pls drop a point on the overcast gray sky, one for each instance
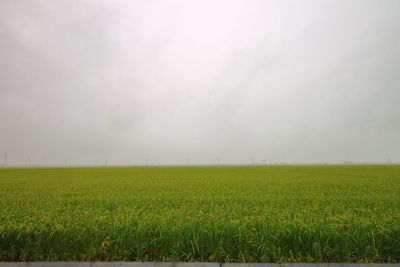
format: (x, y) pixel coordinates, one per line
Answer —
(293, 81)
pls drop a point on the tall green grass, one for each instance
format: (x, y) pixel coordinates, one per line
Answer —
(227, 214)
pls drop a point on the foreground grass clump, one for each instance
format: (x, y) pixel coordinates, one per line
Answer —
(230, 214)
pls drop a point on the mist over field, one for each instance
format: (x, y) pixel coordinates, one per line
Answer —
(82, 82)
(185, 102)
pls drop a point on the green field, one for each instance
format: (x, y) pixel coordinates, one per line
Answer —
(225, 214)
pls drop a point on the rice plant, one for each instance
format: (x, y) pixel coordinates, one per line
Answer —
(218, 214)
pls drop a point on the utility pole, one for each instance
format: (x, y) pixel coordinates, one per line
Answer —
(187, 161)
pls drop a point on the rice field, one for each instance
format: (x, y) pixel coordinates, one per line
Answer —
(217, 214)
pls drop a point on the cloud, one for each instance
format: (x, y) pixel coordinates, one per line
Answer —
(292, 81)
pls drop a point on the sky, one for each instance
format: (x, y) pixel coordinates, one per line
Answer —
(177, 82)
